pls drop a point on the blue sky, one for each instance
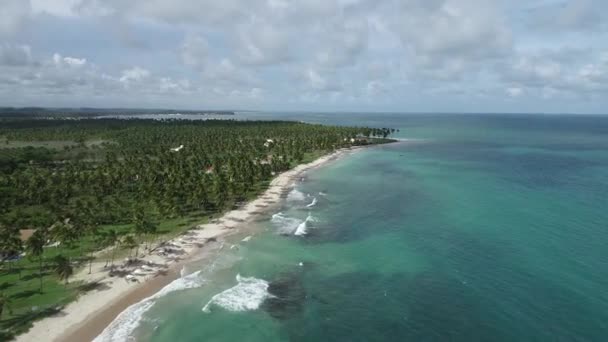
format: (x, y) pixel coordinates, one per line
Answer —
(366, 55)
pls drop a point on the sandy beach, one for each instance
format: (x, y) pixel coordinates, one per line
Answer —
(91, 313)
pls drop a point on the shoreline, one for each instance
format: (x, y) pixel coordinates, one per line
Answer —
(88, 316)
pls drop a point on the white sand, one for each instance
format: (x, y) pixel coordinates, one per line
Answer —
(115, 290)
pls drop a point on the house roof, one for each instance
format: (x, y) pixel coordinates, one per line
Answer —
(26, 234)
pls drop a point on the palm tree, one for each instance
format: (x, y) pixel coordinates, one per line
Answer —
(142, 225)
(5, 303)
(65, 233)
(35, 245)
(99, 243)
(110, 240)
(129, 243)
(63, 268)
(10, 244)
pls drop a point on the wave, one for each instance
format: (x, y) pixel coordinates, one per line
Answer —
(124, 324)
(303, 227)
(247, 295)
(285, 225)
(296, 195)
(291, 226)
(313, 203)
(322, 193)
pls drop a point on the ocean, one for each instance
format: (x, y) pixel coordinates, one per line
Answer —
(481, 228)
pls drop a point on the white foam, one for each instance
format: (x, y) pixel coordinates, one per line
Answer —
(303, 227)
(322, 193)
(285, 225)
(301, 230)
(313, 203)
(296, 195)
(247, 295)
(122, 327)
(291, 226)
(246, 239)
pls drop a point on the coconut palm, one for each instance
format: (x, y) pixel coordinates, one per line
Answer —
(5, 304)
(111, 239)
(128, 242)
(142, 225)
(63, 268)
(10, 244)
(65, 233)
(35, 246)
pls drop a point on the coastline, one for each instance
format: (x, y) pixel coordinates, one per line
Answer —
(85, 318)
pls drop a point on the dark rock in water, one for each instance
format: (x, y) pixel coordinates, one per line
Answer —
(288, 296)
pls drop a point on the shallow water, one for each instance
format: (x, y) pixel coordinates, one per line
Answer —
(493, 228)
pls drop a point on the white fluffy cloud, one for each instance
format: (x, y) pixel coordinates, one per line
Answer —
(319, 53)
(70, 62)
(135, 74)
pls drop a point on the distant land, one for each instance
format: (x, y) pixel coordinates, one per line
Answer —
(20, 112)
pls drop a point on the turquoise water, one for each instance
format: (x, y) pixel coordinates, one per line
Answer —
(491, 228)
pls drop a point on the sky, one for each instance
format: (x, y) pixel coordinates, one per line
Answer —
(532, 56)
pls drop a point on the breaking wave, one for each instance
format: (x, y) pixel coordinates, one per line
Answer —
(248, 294)
(302, 228)
(285, 225)
(313, 203)
(122, 327)
(296, 195)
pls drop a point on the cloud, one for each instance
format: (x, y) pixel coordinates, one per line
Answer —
(168, 85)
(258, 43)
(63, 8)
(15, 55)
(445, 39)
(194, 51)
(13, 16)
(568, 16)
(514, 91)
(343, 44)
(70, 62)
(135, 74)
(317, 53)
(552, 73)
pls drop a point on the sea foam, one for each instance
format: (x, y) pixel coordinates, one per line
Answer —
(285, 225)
(302, 228)
(313, 203)
(296, 195)
(247, 295)
(122, 327)
(291, 226)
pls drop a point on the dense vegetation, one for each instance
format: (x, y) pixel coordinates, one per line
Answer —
(92, 183)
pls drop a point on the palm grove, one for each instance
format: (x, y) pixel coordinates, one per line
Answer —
(94, 183)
